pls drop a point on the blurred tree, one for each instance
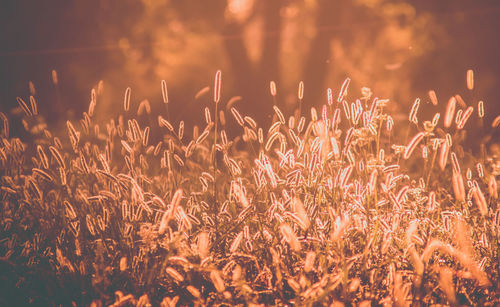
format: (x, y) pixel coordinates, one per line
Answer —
(318, 41)
(399, 48)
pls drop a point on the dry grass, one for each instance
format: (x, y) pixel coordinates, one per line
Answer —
(336, 209)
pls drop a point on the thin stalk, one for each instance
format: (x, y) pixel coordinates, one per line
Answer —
(430, 169)
(406, 139)
(217, 90)
(214, 164)
(379, 132)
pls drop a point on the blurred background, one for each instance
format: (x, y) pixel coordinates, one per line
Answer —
(400, 49)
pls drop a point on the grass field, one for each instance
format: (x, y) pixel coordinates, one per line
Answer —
(333, 205)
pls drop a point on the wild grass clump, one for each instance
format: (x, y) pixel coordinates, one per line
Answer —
(326, 207)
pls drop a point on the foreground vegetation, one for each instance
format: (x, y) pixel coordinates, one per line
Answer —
(330, 206)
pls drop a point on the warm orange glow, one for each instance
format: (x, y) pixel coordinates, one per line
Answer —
(148, 159)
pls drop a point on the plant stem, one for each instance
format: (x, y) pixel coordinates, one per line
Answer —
(216, 207)
(430, 169)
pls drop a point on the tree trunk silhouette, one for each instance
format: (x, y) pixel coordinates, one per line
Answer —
(316, 66)
(270, 59)
(252, 79)
(242, 68)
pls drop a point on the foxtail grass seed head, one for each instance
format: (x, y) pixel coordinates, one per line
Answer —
(301, 90)
(302, 123)
(174, 274)
(309, 261)
(123, 263)
(203, 244)
(217, 86)
(329, 96)
(222, 117)
(217, 281)
(236, 242)
(126, 99)
(413, 144)
(280, 115)
(480, 170)
(55, 79)
(433, 97)
(232, 101)
(181, 130)
(300, 211)
(162, 122)
(314, 114)
(237, 116)
(366, 93)
(467, 113)
(435, 119)
(449, 140)
(447, 285)
(443, 155)
(291, 123)
(202, 92)
(468, 174)
(425, 152)
(347, 110)
(431, 201)
(458, 186)
(455, 163)
(272, 88)
(144, 107)
(414, 110)
(32, 89)
(34, 107)
(343, 90)
(479, 199)
(480, 108)
(208, 117)
(100, 87)
(460, 101)
(58, 157)
(493, 187)
(24, 106)
(194, 292)
(290, 237)
(470, 79)
(450, 112)
(389, 124)
(164, 91)
(496, 122)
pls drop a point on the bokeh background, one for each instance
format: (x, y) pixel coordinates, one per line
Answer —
(400, 49)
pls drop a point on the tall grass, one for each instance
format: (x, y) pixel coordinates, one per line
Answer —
(334, 207)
